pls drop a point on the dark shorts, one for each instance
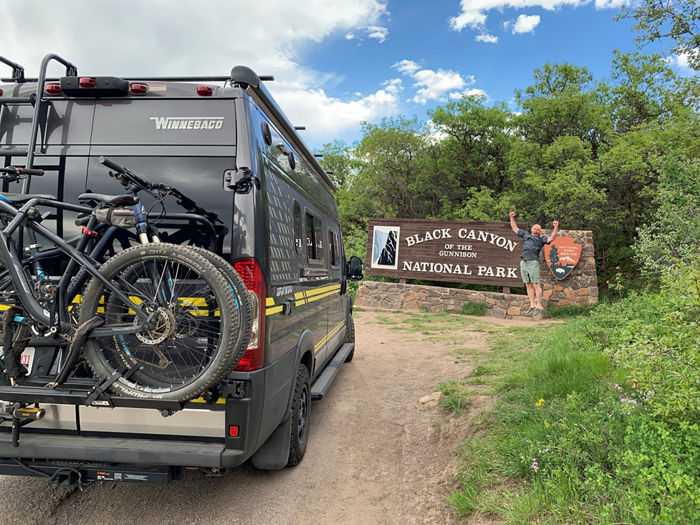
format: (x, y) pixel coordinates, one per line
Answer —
(530, 271)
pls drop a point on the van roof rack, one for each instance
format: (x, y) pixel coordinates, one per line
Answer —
(242, 76)
(252, 84)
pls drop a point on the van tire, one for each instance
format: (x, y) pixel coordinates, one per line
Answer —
(350, 336)
(300, 416)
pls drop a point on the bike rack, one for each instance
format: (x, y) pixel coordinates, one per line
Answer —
(74, 391)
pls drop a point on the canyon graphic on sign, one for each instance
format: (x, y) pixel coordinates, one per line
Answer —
(385, 247)
(562, 255)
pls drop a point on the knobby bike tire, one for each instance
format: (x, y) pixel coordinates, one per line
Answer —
(239, 289)
(196, 348)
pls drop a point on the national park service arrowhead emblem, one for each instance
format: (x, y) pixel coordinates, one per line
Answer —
(562, 255)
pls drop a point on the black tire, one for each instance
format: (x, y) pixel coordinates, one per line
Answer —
(350, 336)
(245, 312)
(301, 414)
(187, 350)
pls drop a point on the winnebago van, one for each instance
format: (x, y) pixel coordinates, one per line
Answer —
(240, 184)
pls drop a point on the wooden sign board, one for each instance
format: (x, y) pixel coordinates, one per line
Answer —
(462, 252)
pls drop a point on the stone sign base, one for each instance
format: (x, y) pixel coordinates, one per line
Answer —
(414, 297)
(578, 289)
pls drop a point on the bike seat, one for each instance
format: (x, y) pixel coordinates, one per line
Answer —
(19, 198)
(110, 200)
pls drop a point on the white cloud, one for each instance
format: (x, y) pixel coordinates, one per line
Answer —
(326, 117)
(474, 12)
(407, 67)
(489, 39)
(526, 23)
(681, 61)
(610, 4)
(378, 33)
(469, 92)
(192, 38)
(432, 85)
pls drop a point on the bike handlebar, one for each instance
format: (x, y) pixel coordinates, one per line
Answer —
(11, 170)
(127, 176)
(111, 164)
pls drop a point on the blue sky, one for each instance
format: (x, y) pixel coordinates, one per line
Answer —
(336, 63)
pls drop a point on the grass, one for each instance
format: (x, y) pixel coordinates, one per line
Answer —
(457, 397)
(567, 312)
(577, 434)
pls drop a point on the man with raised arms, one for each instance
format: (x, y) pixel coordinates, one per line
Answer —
(533, 243)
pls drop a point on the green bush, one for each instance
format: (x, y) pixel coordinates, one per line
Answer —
(600, 423)
(474, 308)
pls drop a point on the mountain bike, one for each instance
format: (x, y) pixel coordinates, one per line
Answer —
(157, 320)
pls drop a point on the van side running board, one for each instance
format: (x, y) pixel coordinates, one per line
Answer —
(323, 383)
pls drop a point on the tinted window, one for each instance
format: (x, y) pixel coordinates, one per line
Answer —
(297, 227)
(333, 247)
(314, 237)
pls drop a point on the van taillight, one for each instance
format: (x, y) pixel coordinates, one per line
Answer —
(53, 89)
(0, 92)
(254, 279)
(205, 91)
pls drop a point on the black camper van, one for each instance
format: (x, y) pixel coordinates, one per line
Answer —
(248, 190)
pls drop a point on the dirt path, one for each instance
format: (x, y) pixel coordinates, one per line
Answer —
(376, 455)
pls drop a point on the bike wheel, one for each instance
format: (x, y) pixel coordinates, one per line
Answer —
(238, 288)
(191, 342)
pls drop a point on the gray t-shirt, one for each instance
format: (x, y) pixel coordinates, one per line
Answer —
(532, 245)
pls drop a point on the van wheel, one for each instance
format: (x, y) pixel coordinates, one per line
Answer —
(301, 412)
(350, 336)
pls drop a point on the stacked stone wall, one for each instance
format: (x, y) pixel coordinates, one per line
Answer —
(580, 288)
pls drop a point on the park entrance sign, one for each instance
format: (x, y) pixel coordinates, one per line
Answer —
(463, 252)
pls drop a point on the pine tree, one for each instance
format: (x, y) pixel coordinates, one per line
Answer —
(553, 256)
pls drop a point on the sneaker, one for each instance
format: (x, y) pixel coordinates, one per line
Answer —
(536, 311)
(530, 310)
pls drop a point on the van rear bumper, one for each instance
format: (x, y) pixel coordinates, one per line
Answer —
(127, 450)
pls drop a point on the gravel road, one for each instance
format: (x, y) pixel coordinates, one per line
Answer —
(376, 455)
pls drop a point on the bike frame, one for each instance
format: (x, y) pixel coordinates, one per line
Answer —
(34, 309)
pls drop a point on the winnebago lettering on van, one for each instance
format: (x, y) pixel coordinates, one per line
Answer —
(188, 122)
(436, 251)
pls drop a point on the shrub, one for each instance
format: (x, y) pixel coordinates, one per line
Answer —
(474, 308)
(579, 437)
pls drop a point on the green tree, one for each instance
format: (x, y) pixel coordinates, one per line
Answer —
(676, 20)
(475, 149)
(390, 177)
(338, 162)
(563, 101)
(645, 90)
(672, 235)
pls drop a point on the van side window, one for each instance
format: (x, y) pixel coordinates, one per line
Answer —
(333, 247)
(314, 237)
(297, 227)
